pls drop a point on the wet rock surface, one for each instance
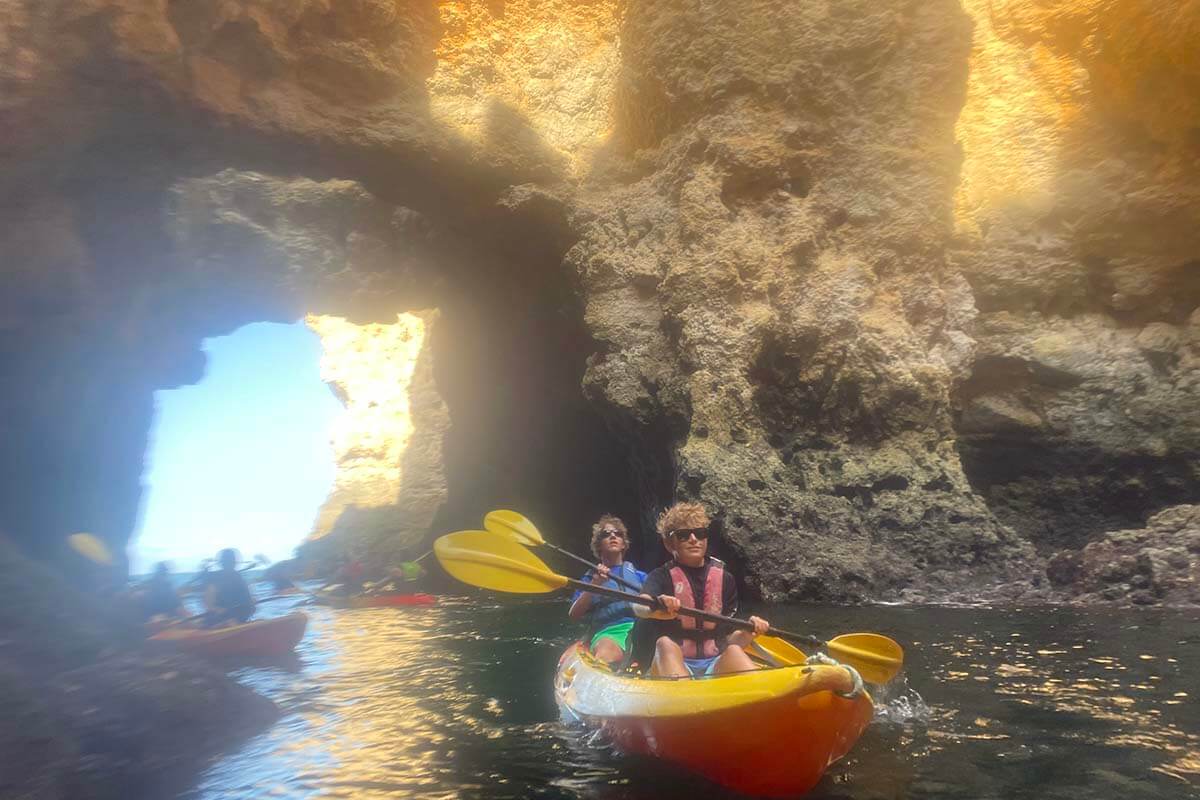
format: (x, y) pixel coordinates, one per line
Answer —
(1155, 565)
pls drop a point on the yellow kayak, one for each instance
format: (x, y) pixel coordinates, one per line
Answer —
(771, 732)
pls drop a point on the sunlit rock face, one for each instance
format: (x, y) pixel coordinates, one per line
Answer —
(390, 482)
(818, 258)
(530, 76)
(766, 274)
(1079, 217)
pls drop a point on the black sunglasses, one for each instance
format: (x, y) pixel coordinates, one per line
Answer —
(611, 532)
(682, 534)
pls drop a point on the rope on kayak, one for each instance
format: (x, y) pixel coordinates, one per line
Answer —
(855, 678)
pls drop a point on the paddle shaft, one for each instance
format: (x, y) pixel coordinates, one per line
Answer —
(582, 560)
(204, 575)
(733, 622)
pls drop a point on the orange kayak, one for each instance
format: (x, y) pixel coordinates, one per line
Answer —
(261, 637)
(769, 733)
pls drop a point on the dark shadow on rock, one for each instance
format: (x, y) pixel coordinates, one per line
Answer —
(88, 713)
(1080, 413)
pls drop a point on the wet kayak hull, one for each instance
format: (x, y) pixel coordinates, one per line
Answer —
(771, 733)
(265, 637)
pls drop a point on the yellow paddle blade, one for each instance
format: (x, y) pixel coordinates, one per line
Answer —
(781, 652)
(483, 559)
(877, 658)
(90, 547)
(515, 526)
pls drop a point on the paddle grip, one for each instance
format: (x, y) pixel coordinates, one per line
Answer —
(582, 560)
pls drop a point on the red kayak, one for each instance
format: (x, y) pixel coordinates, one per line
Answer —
(262, 637)
(377, 600)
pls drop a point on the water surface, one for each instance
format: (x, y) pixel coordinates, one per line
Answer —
(455, 701)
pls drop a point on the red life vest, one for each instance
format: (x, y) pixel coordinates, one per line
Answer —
(712, 602)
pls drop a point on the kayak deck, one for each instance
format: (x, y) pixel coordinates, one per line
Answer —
(263, 637)
(771, 732)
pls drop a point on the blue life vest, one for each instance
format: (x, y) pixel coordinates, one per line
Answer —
(607, 611)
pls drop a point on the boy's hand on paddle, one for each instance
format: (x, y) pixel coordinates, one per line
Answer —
(670, 605)
(664, 606)
(761, 626)
(600, 574)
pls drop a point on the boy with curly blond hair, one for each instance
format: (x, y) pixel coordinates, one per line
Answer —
(694, 579)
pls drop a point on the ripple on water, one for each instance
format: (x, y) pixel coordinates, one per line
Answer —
(455, 701)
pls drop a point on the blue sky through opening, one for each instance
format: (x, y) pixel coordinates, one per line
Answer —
(241, 459)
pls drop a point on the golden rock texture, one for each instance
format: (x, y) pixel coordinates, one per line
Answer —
(901, 290)
(539, 71)
(1079, 210)
(389, 483)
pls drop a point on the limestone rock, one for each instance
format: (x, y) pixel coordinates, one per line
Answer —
(1080, 237)
(789, 322)
(142, 719)
(330, 245)
(1155, 565)
(390, 481)
(802, 264)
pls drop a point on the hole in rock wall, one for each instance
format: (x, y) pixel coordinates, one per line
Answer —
(242, 458)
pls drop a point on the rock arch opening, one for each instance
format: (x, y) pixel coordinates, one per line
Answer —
(240, 458)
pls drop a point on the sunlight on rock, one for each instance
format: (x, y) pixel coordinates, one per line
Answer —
(1019, 101)
(371, 368)
(1052, 84)
(529, 77)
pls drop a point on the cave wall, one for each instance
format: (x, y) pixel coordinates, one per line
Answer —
(1078, 218)
(788, 315)
(784, 260)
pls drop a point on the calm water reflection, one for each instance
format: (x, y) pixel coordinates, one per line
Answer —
(455, 702)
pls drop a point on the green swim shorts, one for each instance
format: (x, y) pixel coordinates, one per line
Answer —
(619, 633)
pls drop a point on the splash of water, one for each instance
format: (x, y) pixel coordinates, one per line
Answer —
(897, 703)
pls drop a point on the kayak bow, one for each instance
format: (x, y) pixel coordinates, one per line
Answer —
(771, 732)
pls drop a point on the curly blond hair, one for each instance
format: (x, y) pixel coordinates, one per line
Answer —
(681, 516)
(598, 531)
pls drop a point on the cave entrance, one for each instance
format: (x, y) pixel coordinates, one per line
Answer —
(242, 458)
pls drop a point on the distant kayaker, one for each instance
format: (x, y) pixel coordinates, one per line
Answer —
(692, 578)
(351, 575)
(609, 620)
(402, 578)
(227, 597)
(160, 597)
